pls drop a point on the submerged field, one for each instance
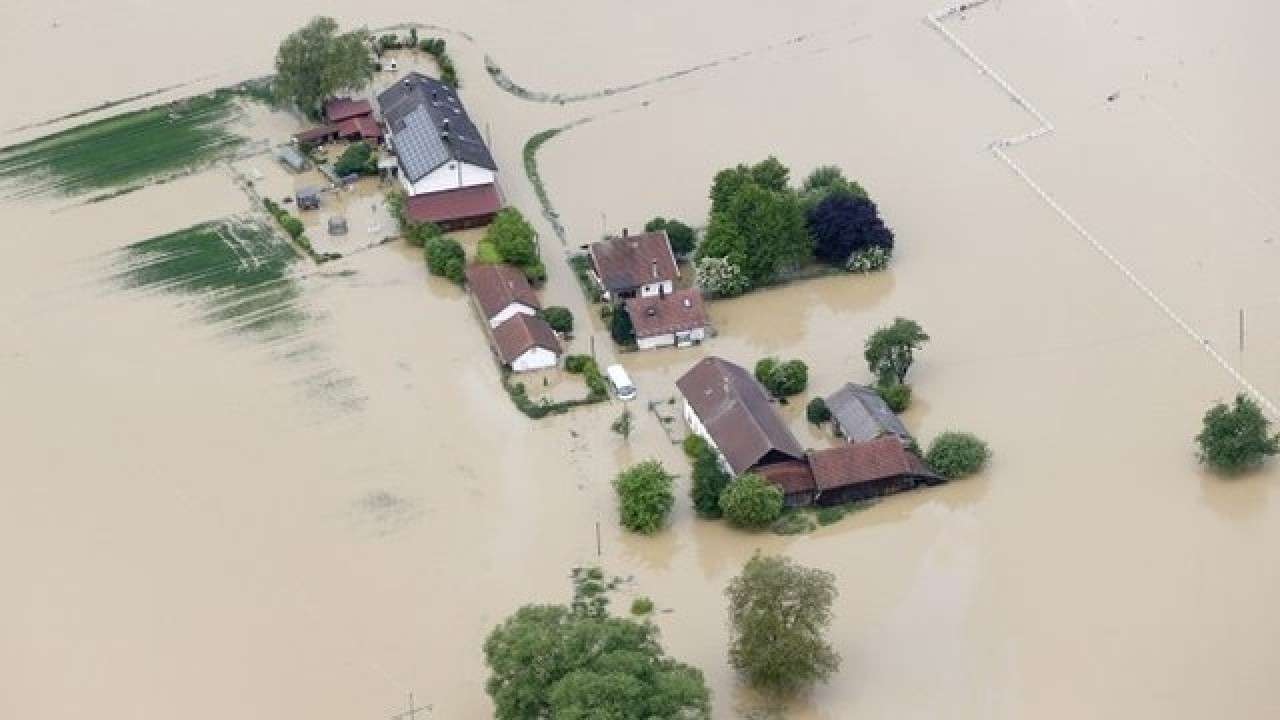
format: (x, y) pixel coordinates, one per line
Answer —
(118, 153)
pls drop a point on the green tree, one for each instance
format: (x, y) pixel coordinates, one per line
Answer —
(644, 496)
(358, 159)
(896, 395)
(708, 478)
(579, 662)
(761, 231)
(817, 412)
(445, 257)
(513, 237)
(621, 329)
(778, 612)
(891, 350)
(957, 454)
(782, 379)
(680, 235)
(317, 61)
(559, 318)
(824, 181)
(751, 502)
(1236, 438)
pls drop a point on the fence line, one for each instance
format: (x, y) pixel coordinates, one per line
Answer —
(1045, 127)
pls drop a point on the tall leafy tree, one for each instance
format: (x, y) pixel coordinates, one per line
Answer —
(513, 237)
(890, 351)
(316, 61)
(842, 224)
(708, 478)
(680, 235)
(1236, 438)
(768, 174)
(644, 496)
(778, 613)
(825, 181)
(761, 231)
(554, 661)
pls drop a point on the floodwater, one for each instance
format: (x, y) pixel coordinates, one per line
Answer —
(213, 521)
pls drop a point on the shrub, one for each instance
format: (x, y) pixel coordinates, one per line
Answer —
(694, 445)
(709, 479)
(792, 522)
(357, 158)
(641, 606)
(446, 258)
(957, 454)
(1236, 439)
(390, 41)
(644, 496)
(872, 259)
(751, 502)
(535, 272)
(721, 276)
(782, 379)
(620, 327)
(292, 225)
(680, 235)
(417, 234)
(576, 363)
(817, 411)
(831, 515)
(896, 395)
(596, 388)
(559, 318)
(513, 237)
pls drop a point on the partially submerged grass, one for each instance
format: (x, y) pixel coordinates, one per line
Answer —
(121, 151)
(239, 268)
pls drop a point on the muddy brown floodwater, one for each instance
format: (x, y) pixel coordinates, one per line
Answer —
(319, 511)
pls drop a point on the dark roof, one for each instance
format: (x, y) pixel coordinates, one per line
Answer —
(451, 205)
(497, 286)
(363, 126)
(520, 333)
(339, 109)
(625, 263)
(737, 413)
(861, 462)
(791, 477)
(323, 132)
(681, 310)
(418, 111)
(863, 415)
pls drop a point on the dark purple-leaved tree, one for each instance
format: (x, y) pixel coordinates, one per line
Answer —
(843, 224)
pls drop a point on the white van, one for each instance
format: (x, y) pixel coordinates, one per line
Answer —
(621, 382)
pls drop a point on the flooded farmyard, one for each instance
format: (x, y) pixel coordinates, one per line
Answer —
(304, 490)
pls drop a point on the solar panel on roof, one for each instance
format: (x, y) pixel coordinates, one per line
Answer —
(420, 147)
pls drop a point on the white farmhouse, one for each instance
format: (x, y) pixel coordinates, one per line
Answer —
(501, 292)
(634, 265)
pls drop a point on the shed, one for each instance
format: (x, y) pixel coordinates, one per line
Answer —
(863, 470)
(307, 198)
(862, 415)
(292, 159)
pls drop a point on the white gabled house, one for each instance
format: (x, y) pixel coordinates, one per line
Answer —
(501, 292)
(634, 265)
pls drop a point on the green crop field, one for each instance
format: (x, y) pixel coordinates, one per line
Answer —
(120, 152)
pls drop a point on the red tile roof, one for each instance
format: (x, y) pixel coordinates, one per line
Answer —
(339, 109)
(628, 262)
(453, 205)
(791, 477)
(737, 414)
(497, 286)
(316, 133)
(681, 310)
(362, 125)
(520, 333)
(861, 462)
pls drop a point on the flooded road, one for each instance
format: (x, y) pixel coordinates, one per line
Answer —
(208, 516)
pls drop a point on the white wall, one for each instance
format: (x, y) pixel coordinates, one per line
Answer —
(510, 311)
(535, 358)
(652, 289)
(657, 341)
(447, 177)
(697, 428)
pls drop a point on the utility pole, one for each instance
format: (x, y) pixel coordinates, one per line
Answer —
(412, 712)
(598, 553)
(1241, 330)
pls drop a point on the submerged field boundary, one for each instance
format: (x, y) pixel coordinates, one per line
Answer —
(1045, 127)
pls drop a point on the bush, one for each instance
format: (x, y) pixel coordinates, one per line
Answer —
(390, 41)
(417, 234)
(620, 327)
(446, 258)
(644, 497)
(956, 454)
(535, 272)
(782, 379)
(487, 253)
(709, 479)
(357, 158)
(641, 606)
(817, 411)
(576, 363)
(793, 522)
(721, 276)
(1236, 439)
(872, 259)
(596, 388)
(751, 502)
(559, 318)
(513, 237)
(896, 395)
(292, 225)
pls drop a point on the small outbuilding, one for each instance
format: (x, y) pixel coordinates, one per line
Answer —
(337, 225)
(861, 415)
(307, 198)
(526, 342)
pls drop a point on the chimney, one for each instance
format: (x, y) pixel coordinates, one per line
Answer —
(655, 268)
(688, 303)
(651, 311)
(624, 232)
